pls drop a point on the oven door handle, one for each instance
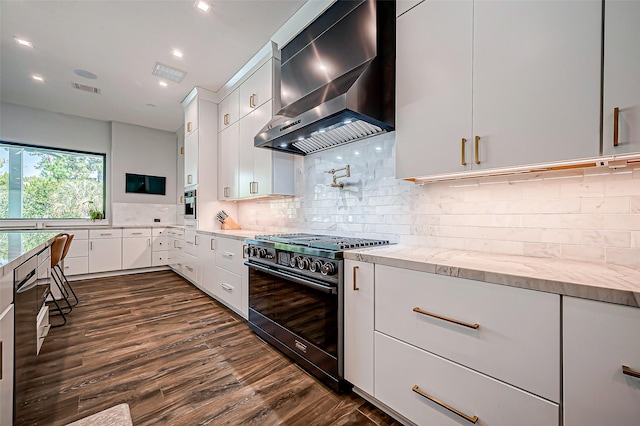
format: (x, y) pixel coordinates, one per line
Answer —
(319, 287)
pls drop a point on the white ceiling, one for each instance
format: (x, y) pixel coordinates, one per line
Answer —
(120, 41)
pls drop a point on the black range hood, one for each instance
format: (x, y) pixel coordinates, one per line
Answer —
(338, 80)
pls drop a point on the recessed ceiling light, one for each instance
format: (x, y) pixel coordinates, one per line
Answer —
(22, 42)
(85, 74)
(168, 72)
(163, 84)
(176, 53)
(37, 78)
(202, 5)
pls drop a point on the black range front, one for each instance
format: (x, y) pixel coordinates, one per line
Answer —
(295, 304)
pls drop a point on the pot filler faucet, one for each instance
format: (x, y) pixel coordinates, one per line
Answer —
(347, 173)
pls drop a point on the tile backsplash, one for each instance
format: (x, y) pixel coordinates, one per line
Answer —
(128, 214)
(590, 214)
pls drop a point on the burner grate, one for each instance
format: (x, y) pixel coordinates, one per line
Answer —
(326, 242)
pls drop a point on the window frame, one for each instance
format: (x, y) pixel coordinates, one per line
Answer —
(63, 150)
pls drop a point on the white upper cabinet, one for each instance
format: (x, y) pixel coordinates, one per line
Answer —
(257, 89)
(229, 110)
(525, 74)
(621, 77)
(228, 167)
(191, 118)
(403, 5)
(250, 155)
(191, 160)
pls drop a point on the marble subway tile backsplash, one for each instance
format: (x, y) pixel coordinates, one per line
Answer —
(591, 215)
(128, 214)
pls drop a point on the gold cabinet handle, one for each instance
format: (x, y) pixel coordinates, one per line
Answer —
(420, 392)
(451, 320)
(181, 199)
(355, 286)
(226, 119)
(252, 100)
(616, 117)
(630, 372)
(463, 161)
(476, 149)
(189, 127)
(182, 150)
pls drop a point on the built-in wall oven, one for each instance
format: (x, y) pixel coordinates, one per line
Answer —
(296, 298)
(190, 204)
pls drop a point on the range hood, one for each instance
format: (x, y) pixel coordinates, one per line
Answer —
(338, 80)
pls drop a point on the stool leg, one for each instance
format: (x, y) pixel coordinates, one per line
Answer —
(57, 309)
(68, 284)
(60, 285)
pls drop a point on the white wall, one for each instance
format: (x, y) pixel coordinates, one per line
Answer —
(591, 215)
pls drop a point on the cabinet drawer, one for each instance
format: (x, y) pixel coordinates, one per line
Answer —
(190, 242)
(159, 232)
(513, 324)
(105, 233)
(78, 234)
(401, 367)
(42, 326)
(176, 232)
(190, 267)
(228, 288)
(78, 248)
(160, 258)
(229, 255)
(137, 232)
(161, 243)
(76, 265)
(599, 338)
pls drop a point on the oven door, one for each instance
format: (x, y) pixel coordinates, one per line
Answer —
(299, 313)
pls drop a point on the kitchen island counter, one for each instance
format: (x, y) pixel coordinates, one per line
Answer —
(595, 281)
(18, 246)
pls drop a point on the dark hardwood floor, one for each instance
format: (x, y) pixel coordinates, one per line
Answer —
(177, 357)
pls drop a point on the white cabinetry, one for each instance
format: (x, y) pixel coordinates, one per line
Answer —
(206, 246)
(189, 256)
(244, 170)
(621, 76)
(231, 282)
(191, 160)
(136, 248)
(358, 324)
(599, 339)
(105, 250)
(6, 368)
(229, 110)
(160, 247)
(486, 85)
(176, 243)
(77, 260)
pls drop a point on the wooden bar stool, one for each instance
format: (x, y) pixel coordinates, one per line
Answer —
(63, 278)
(56, 254)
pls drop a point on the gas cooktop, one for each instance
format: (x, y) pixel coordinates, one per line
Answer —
(325, 242)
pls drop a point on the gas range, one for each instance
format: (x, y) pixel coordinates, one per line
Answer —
(311, 255)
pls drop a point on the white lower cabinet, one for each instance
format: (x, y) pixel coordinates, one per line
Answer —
(105, 250)
(176, 243)
(136, 248)
(430, 390)
(6, 368)
(491, 328)
(160, 246)
(190, 267)
(600, 340)
(42, 326)
(231, 276)
(228, 288)
(206, 246)
(358, 324)
(77, 260)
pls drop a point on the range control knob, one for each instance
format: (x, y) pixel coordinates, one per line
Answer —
(294, 261)
(328, 269)
(315, 266)
(304, 263)
(262, 253)
(253, 251)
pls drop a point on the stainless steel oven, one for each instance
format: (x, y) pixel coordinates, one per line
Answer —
(190, 204)
(296, 300)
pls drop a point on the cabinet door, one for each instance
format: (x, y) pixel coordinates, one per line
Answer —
(433, 88)
(105, 254)
(599, 338)
(191, 117)
(257, 89)
(358, 324)
(262, 158)
(6, 379)
(228, 163)
(180, 185)
(249, 126)
(229, 110)
(621, 75)
(205, 245)
(191, 160)
(136, 252)
(180, 151)
(536, 81)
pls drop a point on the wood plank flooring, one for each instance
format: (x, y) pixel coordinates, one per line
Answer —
(177, 357)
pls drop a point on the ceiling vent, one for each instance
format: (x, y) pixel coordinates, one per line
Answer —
(85, 88)
(169, 73)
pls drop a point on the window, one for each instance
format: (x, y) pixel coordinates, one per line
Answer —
(45, 183)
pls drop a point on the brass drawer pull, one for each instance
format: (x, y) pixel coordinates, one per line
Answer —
(189, 127)
(616, 117)
(355, 286)
(463, 161)
(226, 119)
(462, 323)
(252, 100)
(630, 372)
(420, 392)
(477, 159)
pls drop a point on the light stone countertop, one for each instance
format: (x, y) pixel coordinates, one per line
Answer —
(596, 281)
(239, 234)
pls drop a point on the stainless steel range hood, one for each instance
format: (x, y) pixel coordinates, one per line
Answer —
(338, 80)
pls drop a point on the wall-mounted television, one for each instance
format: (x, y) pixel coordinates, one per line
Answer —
(144, 184)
